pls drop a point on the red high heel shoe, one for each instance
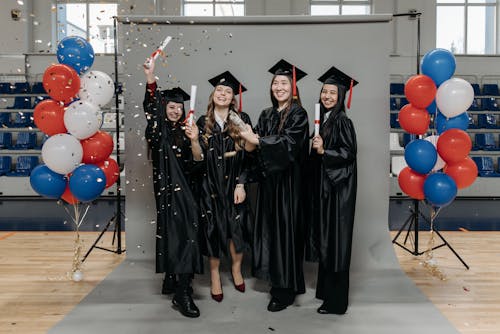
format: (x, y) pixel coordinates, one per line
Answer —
(218, 297)
(239, 287)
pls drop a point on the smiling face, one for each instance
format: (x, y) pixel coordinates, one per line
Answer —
(281, 88)
(329, 96)
(174, 111)
(223, 96)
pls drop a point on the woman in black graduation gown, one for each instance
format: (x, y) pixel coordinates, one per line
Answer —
(172, 150)
(223, 207)
(280, 146)
(332, 181)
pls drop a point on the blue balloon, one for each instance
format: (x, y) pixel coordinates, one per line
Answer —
(420, 155)
(439, 64)
(432, 108)
(46, 182)
(87, 182)
(76, 52)
(458, 122)
(440, 189)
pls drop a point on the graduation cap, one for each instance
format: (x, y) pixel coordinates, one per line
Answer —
(229, 80)
(176, 94)
(334, 76)
(283, 67)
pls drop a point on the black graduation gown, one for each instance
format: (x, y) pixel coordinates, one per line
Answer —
(222, 219)
(278, 231)
(177, 222)
(332, 182)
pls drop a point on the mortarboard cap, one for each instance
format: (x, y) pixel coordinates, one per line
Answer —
(285, 68)
(227, 79)
(175, 95)
(334, 76)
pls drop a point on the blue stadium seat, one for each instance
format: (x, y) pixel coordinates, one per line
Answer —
(5, 165)
(490, 89)
(37, 88)
(5, 140)
(485, 166)
(485, 141)
(397, 88)
(21, 88)
(395, 122)
(472, 122)
(4, 119)
(477, 90)
(489, 103)
(408, 138)
(403, 102)
(22, 120)
(25, 141)
(21, 102)
(24, 165)
(39, 99)
(4, 88)
(393, 102)
(487, 121)
(475, 105)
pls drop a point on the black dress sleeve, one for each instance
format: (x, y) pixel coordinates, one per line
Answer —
(247, 171)
(153, 111)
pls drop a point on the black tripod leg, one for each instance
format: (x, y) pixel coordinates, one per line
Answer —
(412, 222)
(115, 231)
(98, 238)
(451, 248)
(408, 220)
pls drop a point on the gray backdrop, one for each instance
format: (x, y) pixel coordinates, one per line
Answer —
(248, 47)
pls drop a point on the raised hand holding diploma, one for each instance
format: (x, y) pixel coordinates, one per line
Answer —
(192, 103)
(316, 120)
(157, 52)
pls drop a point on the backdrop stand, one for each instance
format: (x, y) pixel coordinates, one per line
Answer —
(412, 222)
(117, 218)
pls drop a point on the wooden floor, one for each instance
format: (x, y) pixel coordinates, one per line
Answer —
(35, 292)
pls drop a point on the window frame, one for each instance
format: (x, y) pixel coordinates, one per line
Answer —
(342, 3)
(212, 3)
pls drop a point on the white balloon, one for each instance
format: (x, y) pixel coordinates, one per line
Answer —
(454, 97)
(97, 88)
(440, 163)
(82, 119)
(62, 153)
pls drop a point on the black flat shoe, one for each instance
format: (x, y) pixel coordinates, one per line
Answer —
(275, 305)
(323, 309)
(169, 284)
(186, 305)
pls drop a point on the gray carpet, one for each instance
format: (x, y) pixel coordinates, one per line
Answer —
(128, 301)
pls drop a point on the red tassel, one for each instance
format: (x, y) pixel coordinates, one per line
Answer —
(240, 109)
(294, 82)
(191, 112)
(350, 95)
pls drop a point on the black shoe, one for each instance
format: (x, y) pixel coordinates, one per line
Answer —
(324, 309)
(169, 284)
(186, 305)
(275, 305)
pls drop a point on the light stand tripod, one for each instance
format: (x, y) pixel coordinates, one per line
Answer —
(412, 222)
(117, 218)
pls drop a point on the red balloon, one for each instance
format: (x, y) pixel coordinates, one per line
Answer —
(463, 172)
(111, 170)
(68, 197)
(420, 90)
(454, 145)
(61, 82)
(97, 148)
(49, 117)
(412, 183)
(413, 120)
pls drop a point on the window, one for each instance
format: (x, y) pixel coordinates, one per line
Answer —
(213, 8)
(341, 7)
(90, 20)
(466, 26)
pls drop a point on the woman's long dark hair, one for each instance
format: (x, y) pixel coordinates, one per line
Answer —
(284, 113)
(338, 107)
(232, 128)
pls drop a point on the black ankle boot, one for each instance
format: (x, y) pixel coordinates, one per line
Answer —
(185, 304)
(169, 284)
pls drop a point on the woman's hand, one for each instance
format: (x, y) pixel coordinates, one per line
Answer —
(318, 144)
(149, 70)
(239, 194)
(192, 132)
(249, 135)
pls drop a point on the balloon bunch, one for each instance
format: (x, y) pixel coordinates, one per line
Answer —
(77, 159)
(438, 165)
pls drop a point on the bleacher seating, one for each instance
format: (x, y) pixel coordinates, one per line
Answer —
(490, 89)
(407, 137)
(489, 103)
(394, 144)
(37, 88)
(397, 164)
(485, 141)
(21, 102)
(5, 140)
(397, 88)
(21, 88)
(4, 119)
(4, 88)
(476, 88)
(485, 166)
(472, 122)
(25, 141)
(475, 105)
(393, 102)
(487, 121)
(24, 165)
(402, 102)
(394, 121)
(5, 165)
